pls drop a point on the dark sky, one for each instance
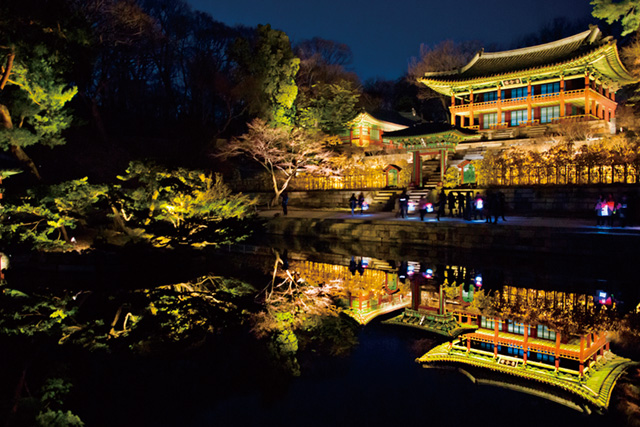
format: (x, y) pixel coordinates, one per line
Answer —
(385, 34)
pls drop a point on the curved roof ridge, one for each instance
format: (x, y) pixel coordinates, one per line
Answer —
(591, 35)
(523, 50)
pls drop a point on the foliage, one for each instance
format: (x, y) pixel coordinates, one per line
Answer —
(269, 68)
(45, 213)
(328, 106)
(452, 177)
(569, 318)
(40, 104)
(297, 309)
(282, 151)
(625, 11)
(196, 205)
(551, 162)
(58, 419)
(187, 313)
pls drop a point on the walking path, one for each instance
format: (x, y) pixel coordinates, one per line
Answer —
(587, 225)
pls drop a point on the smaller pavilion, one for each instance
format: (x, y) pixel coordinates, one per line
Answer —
(429, 142)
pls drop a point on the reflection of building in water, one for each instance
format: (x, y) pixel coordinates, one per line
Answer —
(579, 363)
(367, 294)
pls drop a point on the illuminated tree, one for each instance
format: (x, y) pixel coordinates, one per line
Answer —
(452, 177)
(625, 11)
(44, 215)
(268, 69)
(283, 151)
(195, 204)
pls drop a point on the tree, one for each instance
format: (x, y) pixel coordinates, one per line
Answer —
(194, 204)
(267, 68)
(327, 92)
(35, 45)
(445, 56)
(282, 151)
(328, 106)
(44, 215)
(625, 11)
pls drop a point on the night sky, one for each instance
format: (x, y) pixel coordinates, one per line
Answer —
(385, 34)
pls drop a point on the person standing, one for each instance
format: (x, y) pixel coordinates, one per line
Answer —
(361, 203)
(478, 206)
(352, 203)
(600, 210)
(611, 209)
(422, 206)
(442, 201)
(403, 203)
(285, 202)
(468, 207)
(451, 199)
(623, 210)
(460, 204)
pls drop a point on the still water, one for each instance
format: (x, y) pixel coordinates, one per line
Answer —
(229, 381)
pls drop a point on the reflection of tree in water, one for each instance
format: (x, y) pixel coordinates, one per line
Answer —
(301, 310)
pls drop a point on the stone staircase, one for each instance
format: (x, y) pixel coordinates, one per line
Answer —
(414, 197)
(383, 200)
(431, 171)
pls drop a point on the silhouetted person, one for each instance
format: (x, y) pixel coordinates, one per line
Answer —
(403, 204)
(623, 210)
(460, 204)
(352, 203)
(361, 203)
(442, 201)
(285, 202)
(451, 199)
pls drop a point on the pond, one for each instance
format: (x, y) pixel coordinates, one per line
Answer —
(231, 380)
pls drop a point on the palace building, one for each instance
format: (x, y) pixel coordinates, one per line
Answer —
(573, 78)
(501, 98)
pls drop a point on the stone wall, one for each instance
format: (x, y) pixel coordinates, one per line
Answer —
(551, 201)
(617, 244)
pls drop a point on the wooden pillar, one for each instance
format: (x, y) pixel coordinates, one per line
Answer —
(499, 104)
(468, 345)
(562, 107)
(471, 107)
(441, 302)
(443, 163)
(525, 344)
(557, 351)
(453, 114)
(417, 169)
(495, 337)
(581, 355)
(587, 102)
(529, 101)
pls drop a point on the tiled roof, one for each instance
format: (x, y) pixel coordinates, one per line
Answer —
(429, 128)
(495, 63)
(394, 117)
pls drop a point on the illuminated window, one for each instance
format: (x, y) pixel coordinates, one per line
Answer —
(547, 114)
(516, 328)
(520, 92)
(375, 134)
(518, 116)
(489, 96)
(546, 333)
(489, 119)
(487, 323)
(549, 88)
